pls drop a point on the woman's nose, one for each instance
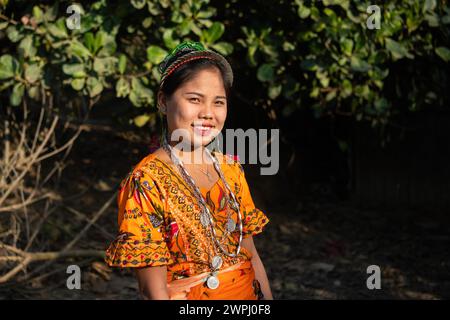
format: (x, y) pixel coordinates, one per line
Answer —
(206, 111)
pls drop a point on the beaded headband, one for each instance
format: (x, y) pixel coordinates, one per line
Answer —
(189, 51)
(176, 65)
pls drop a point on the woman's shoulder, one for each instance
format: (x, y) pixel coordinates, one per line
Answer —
(142, 178)
(156, 164)
(143, 169)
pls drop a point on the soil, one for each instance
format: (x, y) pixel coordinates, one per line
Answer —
(313, 248)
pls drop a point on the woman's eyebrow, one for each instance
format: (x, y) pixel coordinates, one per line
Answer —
(201, 95)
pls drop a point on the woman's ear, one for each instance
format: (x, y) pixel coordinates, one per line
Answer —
(162, 106)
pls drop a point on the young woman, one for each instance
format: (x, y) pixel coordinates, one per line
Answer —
(186, 216)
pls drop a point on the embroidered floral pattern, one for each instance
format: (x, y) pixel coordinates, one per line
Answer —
(159, 219)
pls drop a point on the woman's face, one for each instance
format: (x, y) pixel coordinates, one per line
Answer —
(198, 107)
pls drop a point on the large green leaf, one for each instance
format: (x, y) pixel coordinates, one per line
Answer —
(347, 46)
(443, 52)
(168, 39)
(26, 47)
(122, 88)
(6, 84)
(33, 92)
(138, 4)
(156, 54)
(213, 33)
(432, 19)
(205, 14)
(108, 44)
(346, 90)
(397, 49)
(14, 34)
(78, 84)
(33, 73)
(105, 66)
(134, 99)
(429, 5)
(122, 63)
(153, 8)
(94, 86)
(323, 77)
(58, 29)
(75, 70)
(79, 50)
(223, 48)
(100, 40)
(265, 72)
(141, 120)
(359, 65)
(274, 91)
(303, 11)
(38, 14)
(8, 66)
(140, 95)
(17, 94)
(89, 42)
(51, 13)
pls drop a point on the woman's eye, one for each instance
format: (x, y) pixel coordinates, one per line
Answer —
(194, 99)
(220, 102)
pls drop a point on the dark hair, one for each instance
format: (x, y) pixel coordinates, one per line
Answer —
(187, 71)
(183, 74)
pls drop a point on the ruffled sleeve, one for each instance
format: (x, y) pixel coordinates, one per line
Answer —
(141, 239)
(254, 219)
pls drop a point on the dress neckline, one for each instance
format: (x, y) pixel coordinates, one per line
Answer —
(206, 190)
(175, 172)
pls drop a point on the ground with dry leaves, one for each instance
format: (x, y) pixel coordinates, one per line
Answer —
(312, 248)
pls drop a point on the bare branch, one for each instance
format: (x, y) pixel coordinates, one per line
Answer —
(35, 155)
(92, 221)
(26, 258)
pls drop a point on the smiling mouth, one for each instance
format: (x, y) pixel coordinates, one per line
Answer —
(203, 130)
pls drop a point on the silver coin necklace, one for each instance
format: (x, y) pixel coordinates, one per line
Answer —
(206, 220)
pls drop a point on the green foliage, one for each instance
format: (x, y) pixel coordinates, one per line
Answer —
(324, 57)
(317, 54)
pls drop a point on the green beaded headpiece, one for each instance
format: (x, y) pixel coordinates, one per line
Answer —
(188, 51)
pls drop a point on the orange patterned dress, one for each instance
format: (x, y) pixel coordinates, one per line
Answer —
(159, 224)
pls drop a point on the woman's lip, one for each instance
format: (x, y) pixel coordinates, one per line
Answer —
(203, 131)
(200, 125)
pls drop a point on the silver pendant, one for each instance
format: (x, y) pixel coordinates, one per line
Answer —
(210, 177)
(212, 282)
(204, 219)
(231, 225)
(216, 262)
(233, 205)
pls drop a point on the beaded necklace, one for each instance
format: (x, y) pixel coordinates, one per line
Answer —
(206, 217)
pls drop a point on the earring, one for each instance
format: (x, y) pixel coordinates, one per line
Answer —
(216, 144)
(162, 109)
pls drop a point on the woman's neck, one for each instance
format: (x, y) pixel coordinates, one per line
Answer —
(191, 155)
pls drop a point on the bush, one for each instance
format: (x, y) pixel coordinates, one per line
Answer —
(305, 54)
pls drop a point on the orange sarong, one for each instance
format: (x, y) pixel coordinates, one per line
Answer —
(236, 283)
